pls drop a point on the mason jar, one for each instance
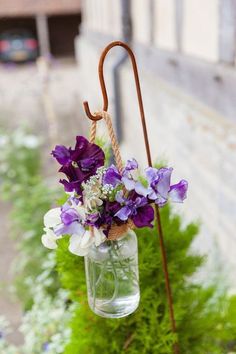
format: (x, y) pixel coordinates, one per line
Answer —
(112, 277)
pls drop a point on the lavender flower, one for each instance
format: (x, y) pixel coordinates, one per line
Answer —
(159, 188)
(129, 174)
(71, 223)
(159, 184)
(111, 176)
(178, 192)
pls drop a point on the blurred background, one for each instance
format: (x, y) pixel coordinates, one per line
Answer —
(186, 55)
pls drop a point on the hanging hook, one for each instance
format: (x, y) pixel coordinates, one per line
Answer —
(101, 78)
(104, 91)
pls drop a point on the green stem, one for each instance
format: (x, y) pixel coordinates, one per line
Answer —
(130, 273)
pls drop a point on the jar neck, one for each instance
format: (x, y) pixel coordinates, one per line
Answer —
(122, 236)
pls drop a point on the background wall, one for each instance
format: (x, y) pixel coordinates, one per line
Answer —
(186, 55)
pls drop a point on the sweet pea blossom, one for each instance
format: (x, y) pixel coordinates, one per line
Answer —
(129, 174)
(159, 188)
(128, 177)
(71, 222)
(136, 208)
(80, 244)
(78, 164)
(111, 176)
(60, 221)
(159, 184)
(51, 220)
(70, 219)
(178, 192)
(49, 239)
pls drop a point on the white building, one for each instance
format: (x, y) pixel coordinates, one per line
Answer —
(185, 51)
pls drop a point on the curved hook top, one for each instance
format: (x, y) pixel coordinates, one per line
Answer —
(104, 91)
(101, 76)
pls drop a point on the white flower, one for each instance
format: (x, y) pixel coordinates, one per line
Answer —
(80, 244)
(49, 239)
(51, 219)
(99, 236)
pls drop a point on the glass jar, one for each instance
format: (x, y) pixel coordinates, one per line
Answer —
(112, 277)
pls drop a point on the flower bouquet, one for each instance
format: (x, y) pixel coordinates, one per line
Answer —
(104, 205)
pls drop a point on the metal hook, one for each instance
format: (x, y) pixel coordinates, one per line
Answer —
(101, 78)
(104, 91)
(102, 81)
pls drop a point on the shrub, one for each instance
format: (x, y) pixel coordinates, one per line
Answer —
(204, 317)
(45, 326)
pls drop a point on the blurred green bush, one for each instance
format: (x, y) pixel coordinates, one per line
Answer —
(206, 319)
(206, 316)
(22, 184)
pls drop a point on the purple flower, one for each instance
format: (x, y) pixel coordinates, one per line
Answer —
(108, 213)
(159, 184)
(107, 216)
(111, 176)
(128, 174)
(62, 154)
(69, 216)
(69, 186)
(178, 192)
(78, 164)
(45, 346)
(159, 188)
(71, 229)
(71, 221)
(131, 165)
(136, 208)
(92, 219)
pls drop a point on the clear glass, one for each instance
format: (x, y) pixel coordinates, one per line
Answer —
(112, 277)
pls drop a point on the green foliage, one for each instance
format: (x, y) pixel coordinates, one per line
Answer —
(27, 214)
(205, 320)
(23, 186)
(20, 162)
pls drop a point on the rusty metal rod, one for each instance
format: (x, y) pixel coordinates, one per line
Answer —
(149, 159)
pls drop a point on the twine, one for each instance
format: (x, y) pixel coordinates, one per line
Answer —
(114, 144)
(93, 130)
(115, 231)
